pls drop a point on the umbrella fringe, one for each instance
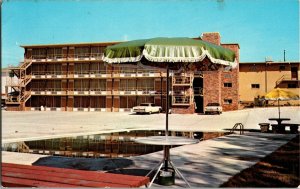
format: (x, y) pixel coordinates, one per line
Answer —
(204, 54)
(123, 60)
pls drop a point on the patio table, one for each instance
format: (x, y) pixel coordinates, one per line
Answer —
(167, 142)
(279, 120)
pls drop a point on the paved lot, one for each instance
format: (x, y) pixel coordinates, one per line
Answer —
(206, 164)
(18, 126)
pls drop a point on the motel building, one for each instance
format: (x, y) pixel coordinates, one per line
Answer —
(73, 77)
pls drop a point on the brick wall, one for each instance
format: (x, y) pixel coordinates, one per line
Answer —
(211, 87)
(231, 77)
(213, 81)
(212, 37)
(184, 110)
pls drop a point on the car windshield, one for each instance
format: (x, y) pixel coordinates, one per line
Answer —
(144, 104)
(213, 104)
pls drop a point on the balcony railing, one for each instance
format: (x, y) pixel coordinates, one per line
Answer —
(181, 100)
(94, 74)
(285, 78)
(182, 81)
(48, 74)
(47, 91)
(61, 57)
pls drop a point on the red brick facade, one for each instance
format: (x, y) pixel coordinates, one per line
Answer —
(231, 93)
(186, 110)
(212, 87)
(221, 86)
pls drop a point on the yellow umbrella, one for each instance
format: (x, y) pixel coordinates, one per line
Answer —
(281, 94)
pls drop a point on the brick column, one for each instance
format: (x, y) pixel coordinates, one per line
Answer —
(212, 37)
(211, 87)
(231, 77)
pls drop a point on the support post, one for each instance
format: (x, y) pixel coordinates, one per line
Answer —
(167, 149)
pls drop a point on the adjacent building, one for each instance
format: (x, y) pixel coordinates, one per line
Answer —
(258, 78)
(73, 77)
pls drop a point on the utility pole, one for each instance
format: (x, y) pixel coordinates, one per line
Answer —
(283, 55)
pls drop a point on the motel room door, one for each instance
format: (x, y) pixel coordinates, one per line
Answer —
(198, 94)
(294, 73)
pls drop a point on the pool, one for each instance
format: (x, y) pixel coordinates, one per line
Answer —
(114, 144)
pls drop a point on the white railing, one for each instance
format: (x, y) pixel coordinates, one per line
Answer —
(182, 80)
(99, 73)
(181, 100)
(58, 57)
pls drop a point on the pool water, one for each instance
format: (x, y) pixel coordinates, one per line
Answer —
(115, 144)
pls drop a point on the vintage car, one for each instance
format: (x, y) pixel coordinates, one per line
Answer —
(147, 108)
(213, 108)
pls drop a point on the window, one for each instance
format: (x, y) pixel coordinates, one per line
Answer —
(255, 86)
(292, 85)
(39, 53)
(227, 101)
(227, 84)
(281, 67)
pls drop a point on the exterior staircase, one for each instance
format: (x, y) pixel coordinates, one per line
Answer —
(17, 101)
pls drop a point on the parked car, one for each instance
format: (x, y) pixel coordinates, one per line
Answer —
(148, 108)
(3, 107)
(213, 108)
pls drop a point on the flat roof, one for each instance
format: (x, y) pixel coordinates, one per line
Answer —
(92, 44)
(72, 44)
(231, 44)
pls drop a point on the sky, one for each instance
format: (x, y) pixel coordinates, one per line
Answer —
(262, 28)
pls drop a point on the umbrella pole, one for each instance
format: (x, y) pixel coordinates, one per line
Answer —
(279, 108)
(167, 148)
(167, 104)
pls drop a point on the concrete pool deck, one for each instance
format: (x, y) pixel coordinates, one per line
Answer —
(20, 126)
(206, 164)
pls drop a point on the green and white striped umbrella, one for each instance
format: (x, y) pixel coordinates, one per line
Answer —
(180, 49)
(169, 50)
